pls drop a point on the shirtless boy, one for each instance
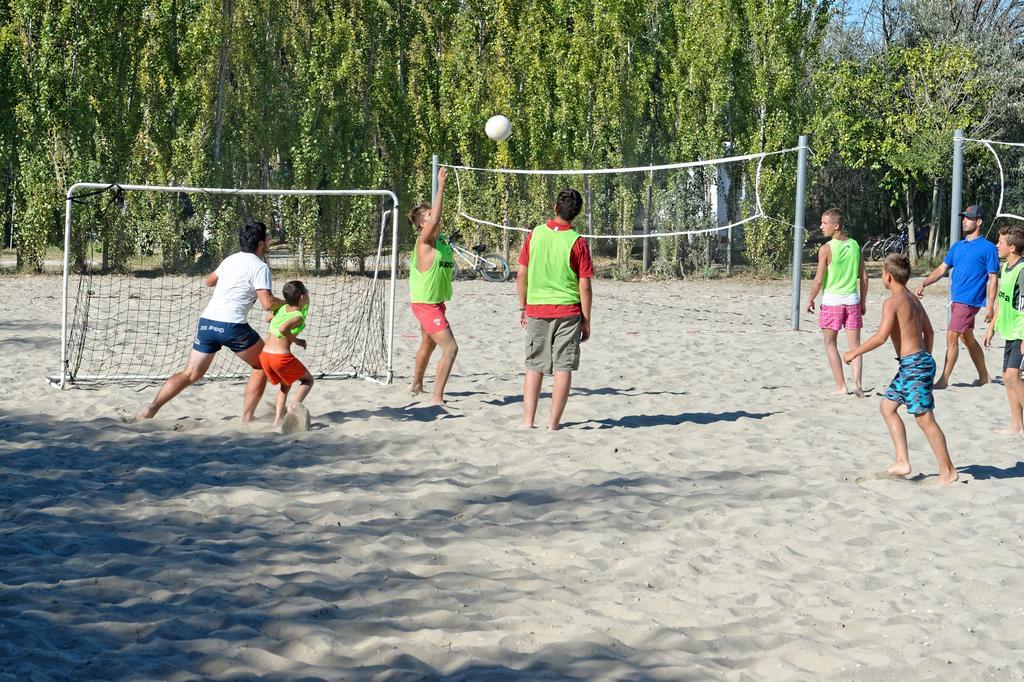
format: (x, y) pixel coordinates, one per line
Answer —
(905, 321)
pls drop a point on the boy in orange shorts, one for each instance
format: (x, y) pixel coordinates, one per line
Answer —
(430, 286)
(280, 366)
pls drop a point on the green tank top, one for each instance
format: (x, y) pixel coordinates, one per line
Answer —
(1009, 321)
(434, 285)
(282, 316)
(550, 279)
(844, 270)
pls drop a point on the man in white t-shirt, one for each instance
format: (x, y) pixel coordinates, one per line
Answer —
(240, 280)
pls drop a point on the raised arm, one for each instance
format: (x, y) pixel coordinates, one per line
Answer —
(432, 225)
(938, 273)
(824, 253)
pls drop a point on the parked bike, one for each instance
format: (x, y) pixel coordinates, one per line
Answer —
(894, 243)
(490, 266)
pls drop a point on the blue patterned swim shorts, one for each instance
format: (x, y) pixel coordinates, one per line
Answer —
(912, 385)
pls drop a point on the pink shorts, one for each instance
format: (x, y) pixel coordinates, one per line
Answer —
(835, 317)
(961, 317)
(430, 316)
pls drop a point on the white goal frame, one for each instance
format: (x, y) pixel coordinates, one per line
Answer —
(61, 380)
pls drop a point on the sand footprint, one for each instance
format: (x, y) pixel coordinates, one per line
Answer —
(126, 416)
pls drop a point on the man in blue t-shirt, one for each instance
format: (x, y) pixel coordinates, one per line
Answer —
(975, 264)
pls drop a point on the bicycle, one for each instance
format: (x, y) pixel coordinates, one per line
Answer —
(896, 243)
(490, 266)
(867, 248)
(891, 243)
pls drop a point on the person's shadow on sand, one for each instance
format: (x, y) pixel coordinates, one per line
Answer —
(638, 421)
(981, 472)
(580, 391)
(416, 412)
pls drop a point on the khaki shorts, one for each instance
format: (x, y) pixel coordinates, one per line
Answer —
(553, 345)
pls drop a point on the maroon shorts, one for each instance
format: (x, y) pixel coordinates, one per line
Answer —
(431, 316)
(961, 317)
(835, 317)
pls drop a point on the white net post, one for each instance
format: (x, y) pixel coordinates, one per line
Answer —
(956, 191)
(63, 379)
(435, 164)
(119, 327)
(391, 292)
(798, 234)
(956, 197)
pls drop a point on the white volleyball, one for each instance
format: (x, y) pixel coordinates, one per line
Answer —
(498, 128)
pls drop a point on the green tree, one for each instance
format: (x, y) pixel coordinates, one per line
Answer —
(896, 113)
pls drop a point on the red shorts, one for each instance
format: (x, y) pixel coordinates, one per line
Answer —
(835, 317)
(961, 317)
(282, 368)
(430, 316)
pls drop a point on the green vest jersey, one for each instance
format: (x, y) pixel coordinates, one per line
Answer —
(1009, 321)
(550, 279)
(282, 316)
(434, 285)
(844, 270)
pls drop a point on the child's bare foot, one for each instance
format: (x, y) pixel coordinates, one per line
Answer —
(1009, 431)
(899, 469)
(437, 402)
(981, 381)
(144, 414)
(939, 385)
(296, 420)
(554, 427)
(949, 477)
(526, 424)
(841, 391)
(416, 389)
(858, 391)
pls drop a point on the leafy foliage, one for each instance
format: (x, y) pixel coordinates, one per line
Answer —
(361, 93)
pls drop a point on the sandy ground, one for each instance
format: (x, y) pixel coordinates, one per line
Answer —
(710, 513)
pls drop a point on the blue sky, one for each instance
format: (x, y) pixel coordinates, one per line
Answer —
(856, 8)
(855, 11)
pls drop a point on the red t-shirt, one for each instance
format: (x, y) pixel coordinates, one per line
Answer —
(579, 261)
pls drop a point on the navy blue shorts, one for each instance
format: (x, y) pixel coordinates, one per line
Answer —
(912, 385)
(1012, 355)
(235, 336)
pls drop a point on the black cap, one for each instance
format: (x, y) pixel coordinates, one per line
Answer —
(973, 212)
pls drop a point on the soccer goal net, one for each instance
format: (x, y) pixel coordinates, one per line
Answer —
(674, 218)
(994, 178)
(136, 257)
